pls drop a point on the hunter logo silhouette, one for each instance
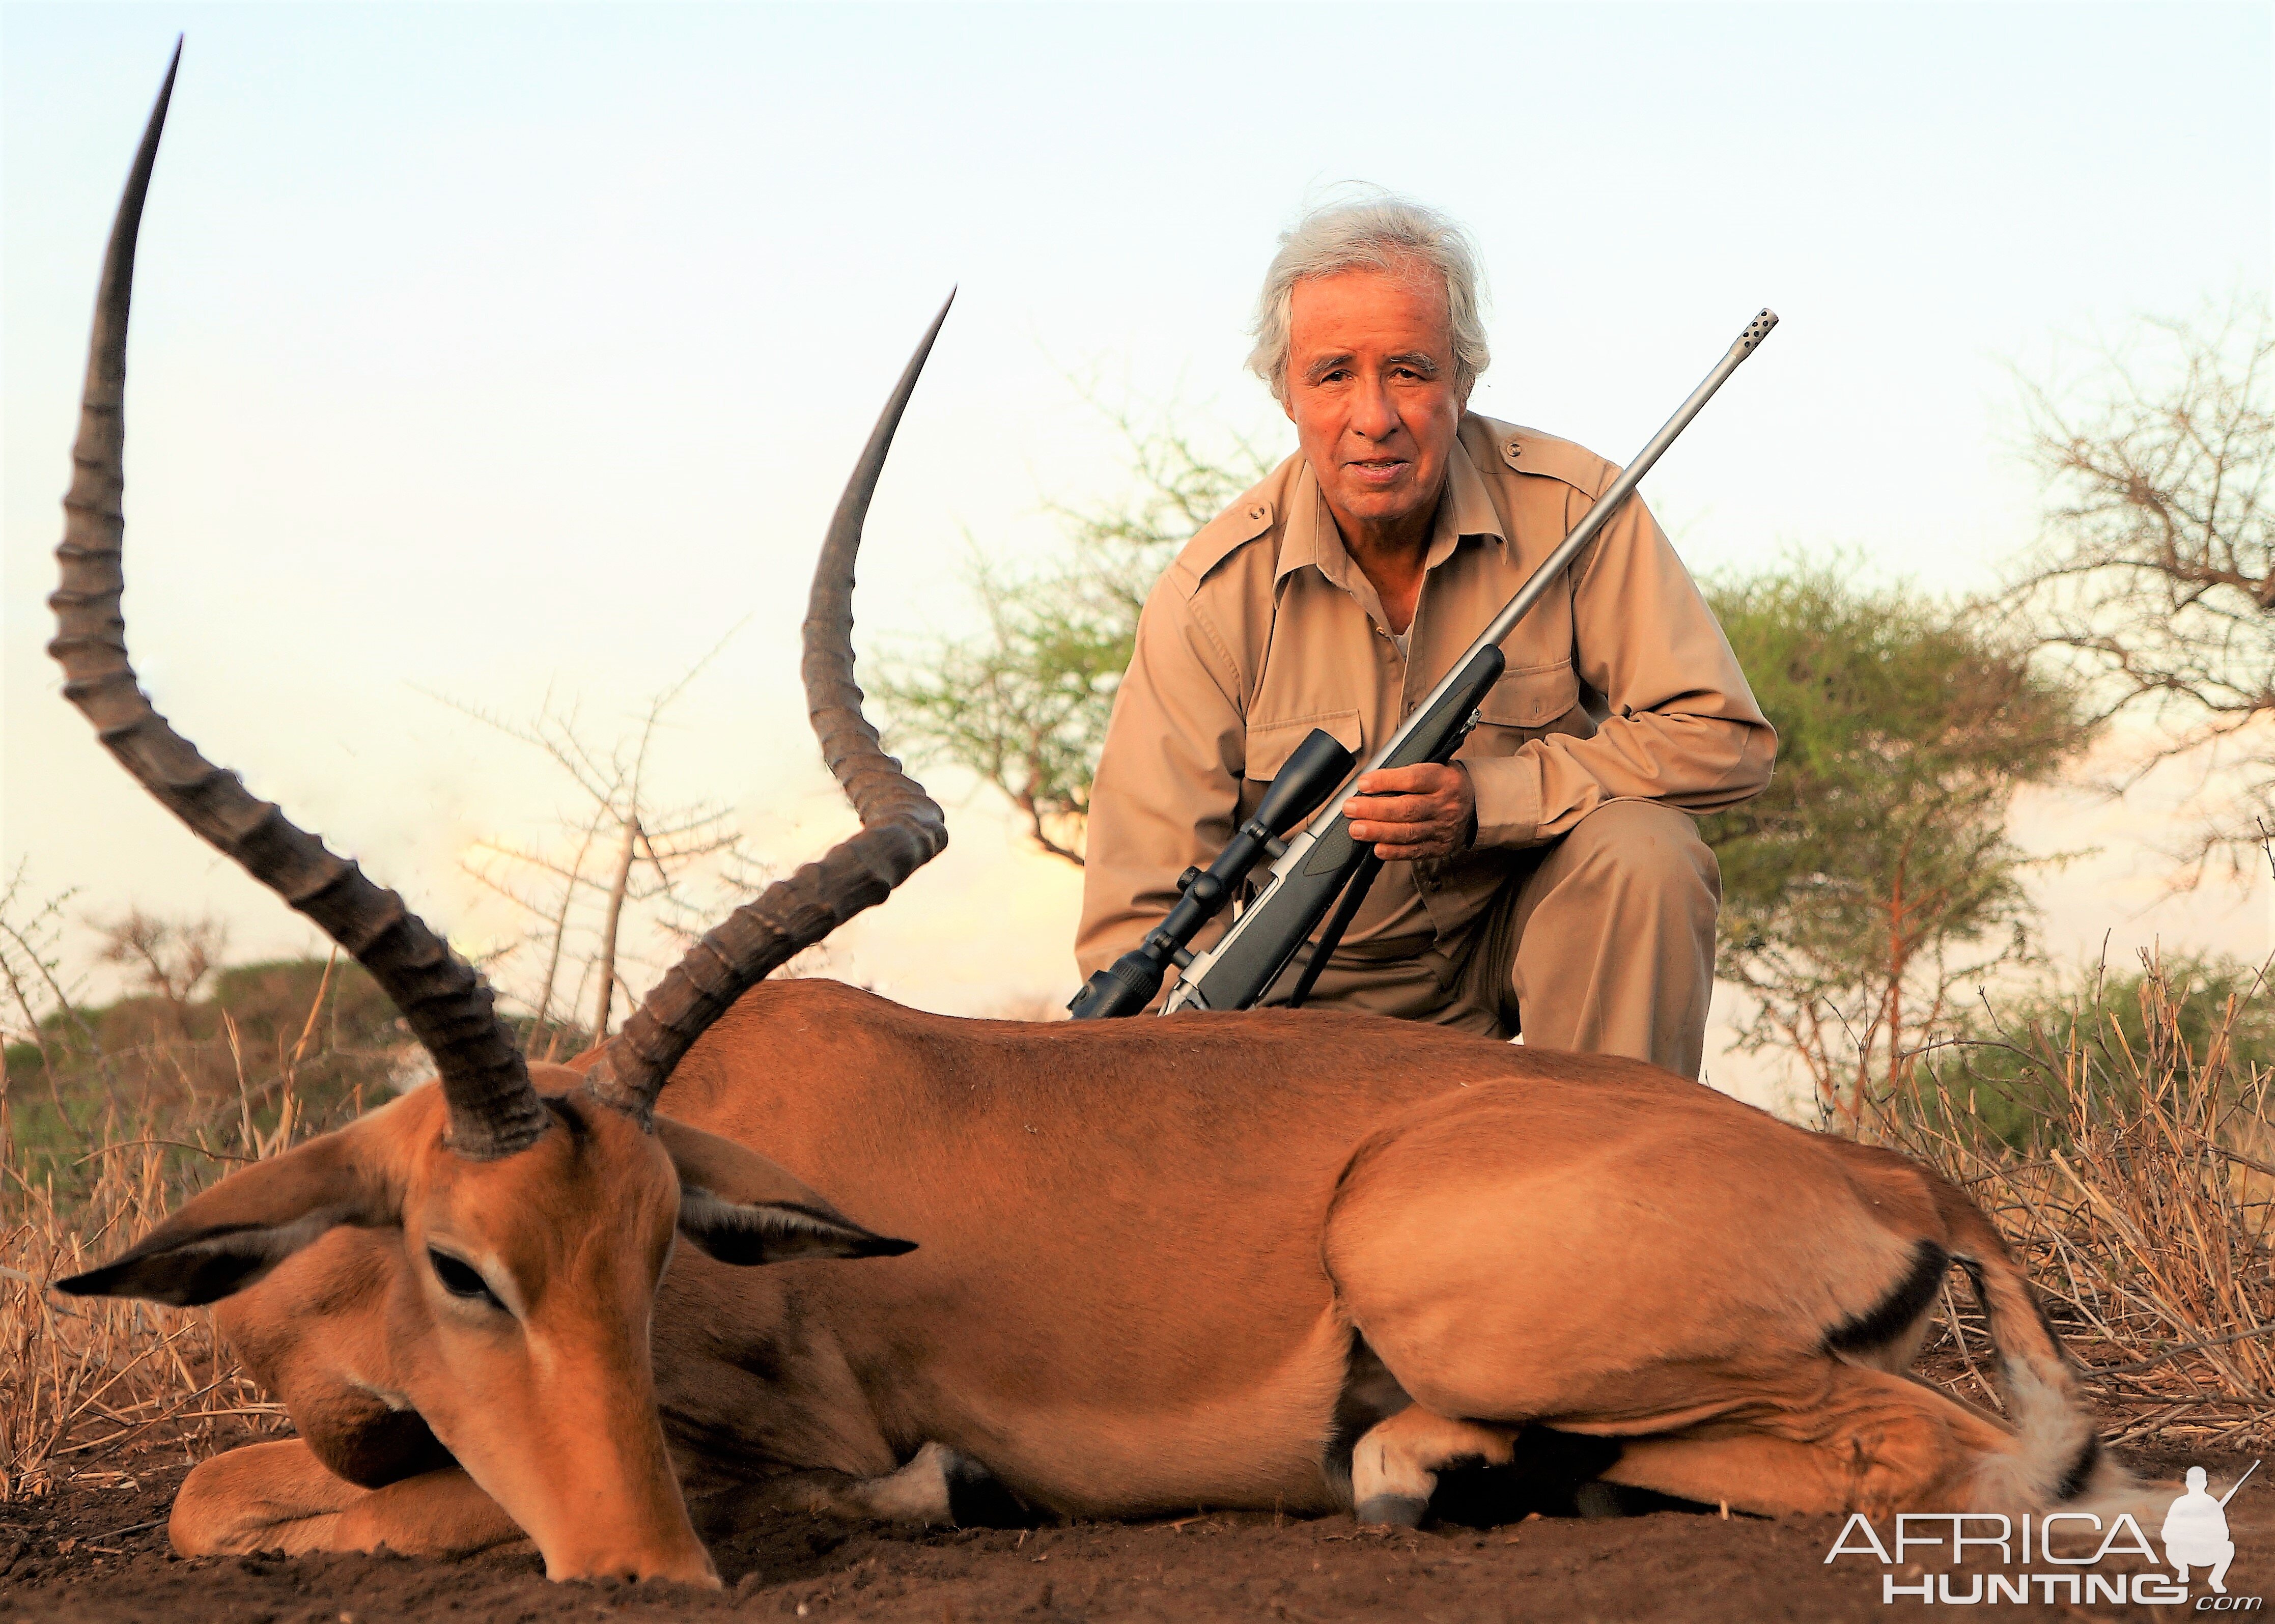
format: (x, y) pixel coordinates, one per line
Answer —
(2056, 1562)
(2195, 1530)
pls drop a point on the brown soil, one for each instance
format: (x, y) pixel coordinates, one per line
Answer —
(81, 1556)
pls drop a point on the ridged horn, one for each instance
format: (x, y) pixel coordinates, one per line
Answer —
(494, 1110)
(902, 829)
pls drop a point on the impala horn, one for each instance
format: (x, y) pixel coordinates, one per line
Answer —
(494, 1110)
(901, 828)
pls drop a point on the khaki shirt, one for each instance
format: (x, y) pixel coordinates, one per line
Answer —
(1620, 685)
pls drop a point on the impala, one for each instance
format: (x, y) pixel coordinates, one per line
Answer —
(1105, 1269)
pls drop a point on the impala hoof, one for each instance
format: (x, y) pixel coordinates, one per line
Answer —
(1393, 1511)
(977, 1498)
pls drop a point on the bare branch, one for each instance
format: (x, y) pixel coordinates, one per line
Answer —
(2156, 578)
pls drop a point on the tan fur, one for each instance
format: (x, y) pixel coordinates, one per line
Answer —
(1146, 1247)
(553, 1417)
(266, 1497)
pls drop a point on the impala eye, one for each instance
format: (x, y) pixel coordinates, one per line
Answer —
(461, 1279)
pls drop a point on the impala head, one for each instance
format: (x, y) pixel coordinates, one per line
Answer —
(535, 1213)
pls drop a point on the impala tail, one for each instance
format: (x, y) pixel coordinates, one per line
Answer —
(2059, 1458)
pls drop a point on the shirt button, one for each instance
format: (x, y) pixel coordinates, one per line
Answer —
(1257, 511)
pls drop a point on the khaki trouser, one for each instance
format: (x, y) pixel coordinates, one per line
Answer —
(1602, 941)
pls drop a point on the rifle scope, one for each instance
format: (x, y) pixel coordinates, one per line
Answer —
(1128, 984)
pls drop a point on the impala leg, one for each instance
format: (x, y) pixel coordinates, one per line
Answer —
(937, 1488)
(279, 1496)
(922, 1492)
(1768, 1476)
(259, 1498)
(1395, 1468)
(1869, 1442)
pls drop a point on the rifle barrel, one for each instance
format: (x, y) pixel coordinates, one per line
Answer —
(1606, 506)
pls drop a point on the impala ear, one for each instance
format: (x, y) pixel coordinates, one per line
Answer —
(775, 1231)
(222, 1241)
(741, 1207)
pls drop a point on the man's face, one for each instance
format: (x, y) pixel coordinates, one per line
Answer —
(1370, 391)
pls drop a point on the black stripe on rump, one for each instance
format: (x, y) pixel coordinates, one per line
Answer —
(2080, 1476)
(1893, 1315)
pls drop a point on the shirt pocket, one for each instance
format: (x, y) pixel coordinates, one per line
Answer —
(1270, 744)
(1524, 705)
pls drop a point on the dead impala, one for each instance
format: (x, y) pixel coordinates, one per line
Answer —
(1298, 1259)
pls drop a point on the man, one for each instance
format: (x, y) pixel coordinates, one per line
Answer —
(1548, 881)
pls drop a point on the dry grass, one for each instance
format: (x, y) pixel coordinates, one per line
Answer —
(2142, 1201)
(91, 1389)
(88, 1385)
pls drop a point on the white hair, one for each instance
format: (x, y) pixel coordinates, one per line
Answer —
(1382, 233)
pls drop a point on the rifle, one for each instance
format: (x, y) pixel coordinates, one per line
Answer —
(1322, 863)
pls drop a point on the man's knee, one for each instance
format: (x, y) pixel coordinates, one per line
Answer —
(1614, 948)
(1644, 851)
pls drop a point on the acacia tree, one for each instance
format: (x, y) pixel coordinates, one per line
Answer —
(2157, 575)
(1875, 878)
(1023, 703)
(167, 959)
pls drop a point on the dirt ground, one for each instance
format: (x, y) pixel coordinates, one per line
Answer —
(94, 1556)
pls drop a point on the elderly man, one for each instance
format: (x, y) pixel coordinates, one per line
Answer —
(1549, 880)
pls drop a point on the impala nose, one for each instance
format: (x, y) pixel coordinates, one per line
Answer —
(689, 1564)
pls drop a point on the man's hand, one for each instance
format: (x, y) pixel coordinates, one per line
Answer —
(1408, 812)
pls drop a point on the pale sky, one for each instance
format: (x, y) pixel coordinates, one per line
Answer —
(491, 351)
